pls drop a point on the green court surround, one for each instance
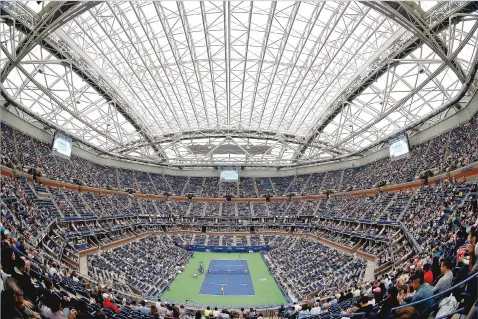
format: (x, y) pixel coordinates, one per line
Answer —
(186, 287)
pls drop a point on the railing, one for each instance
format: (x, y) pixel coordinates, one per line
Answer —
(435, 297)
(43, 233)
(469, 170)
(411, 239)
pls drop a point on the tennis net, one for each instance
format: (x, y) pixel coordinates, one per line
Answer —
(228, 272)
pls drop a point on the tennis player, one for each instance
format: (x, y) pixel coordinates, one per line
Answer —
(222, 290)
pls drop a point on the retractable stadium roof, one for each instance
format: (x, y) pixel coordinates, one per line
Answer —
(235, 83)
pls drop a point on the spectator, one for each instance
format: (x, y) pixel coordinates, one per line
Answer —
(364, 305)
(445, 281)
(13, 306)
(428, 274)
(225, 314)
(387, 282)
(377, 295)
(53, 271)
(473, 250)
(154, 311)
(24, 280)
(47, 295)
(460, 272)
(144, 310)
(281, 311)
(134, 305)
(158, 303)
(252, 313)
(407, 313)
(162, 310)
(109, 305)
(73, 276)
(423, 291)
(57, 310)
(82, 311)
(316, 310)
(389, 303)
(175, 310)
(8, 258)
(435, 267)
(99, 315)
(207, 311)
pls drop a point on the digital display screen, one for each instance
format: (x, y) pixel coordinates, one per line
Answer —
(229, 176)
(61, 145)
(399, 147)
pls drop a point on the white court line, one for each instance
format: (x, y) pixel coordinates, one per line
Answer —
(213, 283)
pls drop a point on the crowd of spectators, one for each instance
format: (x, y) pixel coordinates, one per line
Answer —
(247, 187)
(35, 285)
(294, 264)
(20, 205)
(210, 187)
(243, 209)
(442, 153)
(314, 184)
(177, 207)
(441, 218)
(264, 186)
(145, 184)
(194, 186)
(298, 185)
(141, 265)
(160, 183)
(229, 209)
(228, 189)
(177, 183)
(126, 179)
(332, 180)
(260, 210)
(281, 184)
(7, 144)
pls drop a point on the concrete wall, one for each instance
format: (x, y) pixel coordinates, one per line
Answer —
(460, 117)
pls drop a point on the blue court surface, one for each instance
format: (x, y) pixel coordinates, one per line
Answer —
(231, 275)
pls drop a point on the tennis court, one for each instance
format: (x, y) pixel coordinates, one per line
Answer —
(228, 278)
(186, 287)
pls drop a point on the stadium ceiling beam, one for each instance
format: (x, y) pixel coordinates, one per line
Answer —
(169, 32)
(131, 34)
(402, 44)
(265, 41)
(55, 99)
(192, 52)
(411, 19)
(50, 18)
(209, 56)
(282, 46)
(64, 48)
(219, 133)
(249, 23)
(401, 102)
(22, 109)
(227, 56)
